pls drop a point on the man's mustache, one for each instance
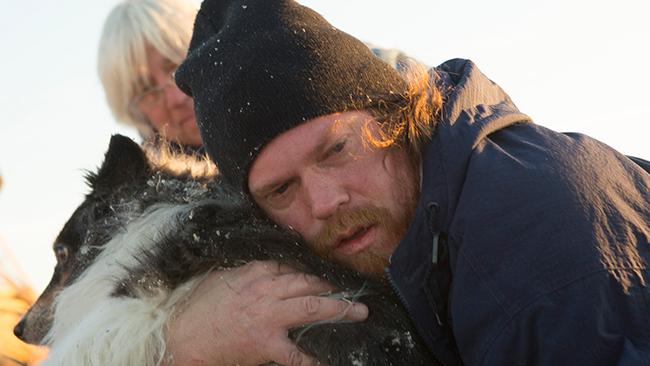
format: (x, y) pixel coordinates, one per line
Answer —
(344, 221)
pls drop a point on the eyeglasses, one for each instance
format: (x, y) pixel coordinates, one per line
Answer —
(152, 97)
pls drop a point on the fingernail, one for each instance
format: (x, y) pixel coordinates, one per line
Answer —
(360, 311)
(312, 279)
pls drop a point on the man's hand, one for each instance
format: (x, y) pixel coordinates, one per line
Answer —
(242, 316)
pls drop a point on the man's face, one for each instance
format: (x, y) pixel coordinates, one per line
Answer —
(351, 202)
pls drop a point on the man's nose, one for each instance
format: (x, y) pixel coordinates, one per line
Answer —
(325, 195)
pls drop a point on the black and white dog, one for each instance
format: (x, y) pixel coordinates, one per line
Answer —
(144, 238)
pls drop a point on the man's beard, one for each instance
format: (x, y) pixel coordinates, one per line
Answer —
(373, 259)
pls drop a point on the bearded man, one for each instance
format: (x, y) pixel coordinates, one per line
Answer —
(509, 243)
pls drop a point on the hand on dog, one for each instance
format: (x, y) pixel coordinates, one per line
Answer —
(242, 316)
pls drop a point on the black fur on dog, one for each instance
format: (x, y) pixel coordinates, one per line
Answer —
(220, 229)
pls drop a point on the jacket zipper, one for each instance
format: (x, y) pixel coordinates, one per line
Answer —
(402, 300)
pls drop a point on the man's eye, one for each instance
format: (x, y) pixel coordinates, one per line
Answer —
(281, 196)
(281, 189)
(336, 148)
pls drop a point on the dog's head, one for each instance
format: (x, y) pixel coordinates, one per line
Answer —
(104, 210)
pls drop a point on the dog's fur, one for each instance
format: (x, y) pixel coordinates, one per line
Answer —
(145, 237)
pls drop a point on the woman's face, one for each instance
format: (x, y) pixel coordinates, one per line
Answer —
(168, 109)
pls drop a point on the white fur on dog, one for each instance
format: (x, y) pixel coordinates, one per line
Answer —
(88, 319)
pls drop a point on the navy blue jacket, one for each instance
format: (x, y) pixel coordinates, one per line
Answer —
(528, 246)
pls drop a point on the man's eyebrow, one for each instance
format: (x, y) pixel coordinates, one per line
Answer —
(265, 188)
(326, 138)
(322, 144)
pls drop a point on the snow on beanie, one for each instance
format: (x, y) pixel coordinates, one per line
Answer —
(257, 68)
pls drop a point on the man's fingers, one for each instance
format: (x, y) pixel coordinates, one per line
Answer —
(309, 309)
(281, 281)
(257, 268)
(256, 272)
(291, 285)
(279, 268)
(288, 354)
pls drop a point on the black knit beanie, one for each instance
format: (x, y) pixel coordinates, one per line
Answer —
(257, 68)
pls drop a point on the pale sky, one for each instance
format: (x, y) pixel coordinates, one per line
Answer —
(579, 66)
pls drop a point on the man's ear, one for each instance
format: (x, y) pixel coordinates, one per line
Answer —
(124, 162)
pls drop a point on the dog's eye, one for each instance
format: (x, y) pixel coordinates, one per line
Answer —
(61, 253)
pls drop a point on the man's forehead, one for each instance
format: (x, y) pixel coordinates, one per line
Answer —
(318, 128)
(344, 122)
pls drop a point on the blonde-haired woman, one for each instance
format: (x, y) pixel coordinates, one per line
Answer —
(141, 44)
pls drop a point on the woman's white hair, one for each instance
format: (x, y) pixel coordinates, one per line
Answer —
(131, 27)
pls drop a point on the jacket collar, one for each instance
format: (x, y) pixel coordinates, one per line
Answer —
(473, 108)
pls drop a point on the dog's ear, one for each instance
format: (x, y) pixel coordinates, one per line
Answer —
(124, 162)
